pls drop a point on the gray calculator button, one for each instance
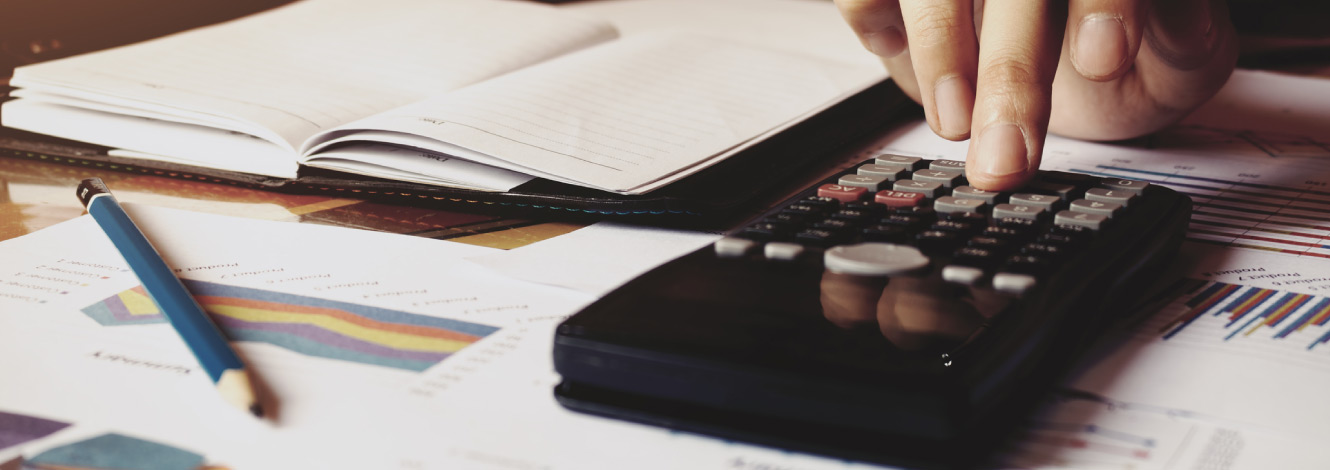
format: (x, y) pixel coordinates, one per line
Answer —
(1042, 201)
(953, 165)
(1062, 190)
(874, 259)
(949, 204)
(892, 173)
(1011, 283)
(1090, 221)
(782, 251)
(947, 178)
(1110, 195)
(971, 192)
(1124, 184)
(730, 247)
(872, 182)
(1106, 209)
(907, 163)
(967, 275)
(1004, 211)
(929, 189)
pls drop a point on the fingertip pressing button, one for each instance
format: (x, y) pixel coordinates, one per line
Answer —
(874, 259)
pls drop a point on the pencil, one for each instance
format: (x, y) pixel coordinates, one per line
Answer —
(207, 343)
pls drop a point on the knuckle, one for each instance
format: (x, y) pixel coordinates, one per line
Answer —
(1015, 72)
(862, 11)
(936, 24)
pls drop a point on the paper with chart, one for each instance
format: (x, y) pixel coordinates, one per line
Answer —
(384, 351)
(1228, 371)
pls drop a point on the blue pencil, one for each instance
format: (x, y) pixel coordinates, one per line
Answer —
(210, 347)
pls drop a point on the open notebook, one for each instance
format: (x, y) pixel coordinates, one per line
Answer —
(481, 96)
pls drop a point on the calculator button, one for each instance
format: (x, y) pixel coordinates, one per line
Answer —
(892, 173)
(874, 259)
(1063, 191)
(1001, 211)
(1033, 265)
(886, 233)
(994, 244)
(1106, 209)
(975, 256)
(952, 165)
(970, 192)
(782, 251)
(866, 207)
(842, 193)
(910, 222)
(1080, 219)
(947, 178)
(1013, 283)
(895, 199)
(730, 247)
(819, 237)
(824, 203)
(977, 218)
(906, 163)
(834, 224)
(966, 275)
(949, 204)
(1110, 195)
(852, 215)
(765, 231)
(1042, 201)
(921, 211)
(938, 242)
(873, 183)
(1074, 179)
(1043, 249)
(956, 226)
(1123, 184)
(790, 218)
(1023, 226)
(929, 189)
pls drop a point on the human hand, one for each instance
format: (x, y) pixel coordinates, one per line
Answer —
(1125, 68)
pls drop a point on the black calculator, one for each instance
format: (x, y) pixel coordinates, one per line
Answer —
(892, 314)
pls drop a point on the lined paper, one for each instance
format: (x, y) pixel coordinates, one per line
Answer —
(316, 64)
(625, 114)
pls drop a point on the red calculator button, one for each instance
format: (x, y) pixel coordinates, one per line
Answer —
(842, 193)
(898, 198)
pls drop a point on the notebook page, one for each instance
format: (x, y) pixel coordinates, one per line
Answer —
(316, 64)
(624, 114)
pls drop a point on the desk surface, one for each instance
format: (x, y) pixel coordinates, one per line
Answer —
(35, 195)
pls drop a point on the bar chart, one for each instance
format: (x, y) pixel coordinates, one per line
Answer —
(1244, 214)
(1222, 313)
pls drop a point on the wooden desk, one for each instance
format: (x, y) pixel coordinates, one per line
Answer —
(35, 195)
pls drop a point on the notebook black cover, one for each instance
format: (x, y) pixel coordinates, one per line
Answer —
(754, 178)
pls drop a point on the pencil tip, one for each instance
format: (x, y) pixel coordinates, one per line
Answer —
(256, 410)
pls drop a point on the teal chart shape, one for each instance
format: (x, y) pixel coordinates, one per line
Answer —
(115, 451)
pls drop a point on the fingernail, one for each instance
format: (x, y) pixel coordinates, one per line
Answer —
(886, 42)
(1002, 148)
(955, 103)
(1101, 46)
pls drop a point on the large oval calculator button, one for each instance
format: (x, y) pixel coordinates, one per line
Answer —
(874, 259)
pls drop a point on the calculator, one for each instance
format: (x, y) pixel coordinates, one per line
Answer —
(892, 313)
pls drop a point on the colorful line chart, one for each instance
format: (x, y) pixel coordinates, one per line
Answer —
(311, 326)
(1232, 313)
(1243, 214)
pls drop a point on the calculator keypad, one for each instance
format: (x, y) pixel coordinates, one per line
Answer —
(897, 215)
